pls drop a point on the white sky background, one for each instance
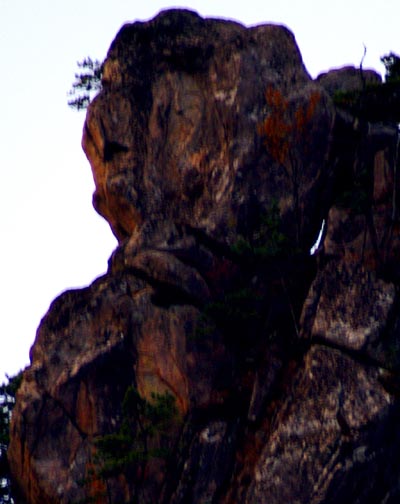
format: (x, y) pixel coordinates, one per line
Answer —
(51, 238)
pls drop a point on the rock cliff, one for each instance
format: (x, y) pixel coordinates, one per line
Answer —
(217, 360)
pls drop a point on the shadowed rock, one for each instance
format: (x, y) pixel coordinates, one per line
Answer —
(283, 367)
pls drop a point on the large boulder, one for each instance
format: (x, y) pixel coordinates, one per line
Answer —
(216, 160)
(175, 132)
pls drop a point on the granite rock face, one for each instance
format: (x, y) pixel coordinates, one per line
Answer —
(216, 159)
(174, 133)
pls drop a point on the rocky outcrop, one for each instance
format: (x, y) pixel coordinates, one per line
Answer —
(216, 160)
(335, 449)
(174, 132)
(347, 79)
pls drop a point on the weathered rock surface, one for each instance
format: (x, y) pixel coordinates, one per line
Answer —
(174, 133)
(284, 368)
(347, 79)
(320, 437)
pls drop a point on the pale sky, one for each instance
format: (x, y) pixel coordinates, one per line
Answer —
(51, 238)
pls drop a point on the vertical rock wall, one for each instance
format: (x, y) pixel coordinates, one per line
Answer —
(283, 367)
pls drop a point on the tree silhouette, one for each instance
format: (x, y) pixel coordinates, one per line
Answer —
(87, 83)
(7, 401)
(284, 131)
(391, 62)
(143, 435)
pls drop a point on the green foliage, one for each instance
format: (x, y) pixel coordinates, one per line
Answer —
(237, 314)
(204, 328)
(143, 435)
(267, 241)
(237, 307)
(270, 241)
(87, 83)
(242, 247)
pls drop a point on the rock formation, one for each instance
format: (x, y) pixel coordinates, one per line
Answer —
(216, 158)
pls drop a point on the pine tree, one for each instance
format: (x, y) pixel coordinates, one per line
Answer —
(87, 83)
(7, 400)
